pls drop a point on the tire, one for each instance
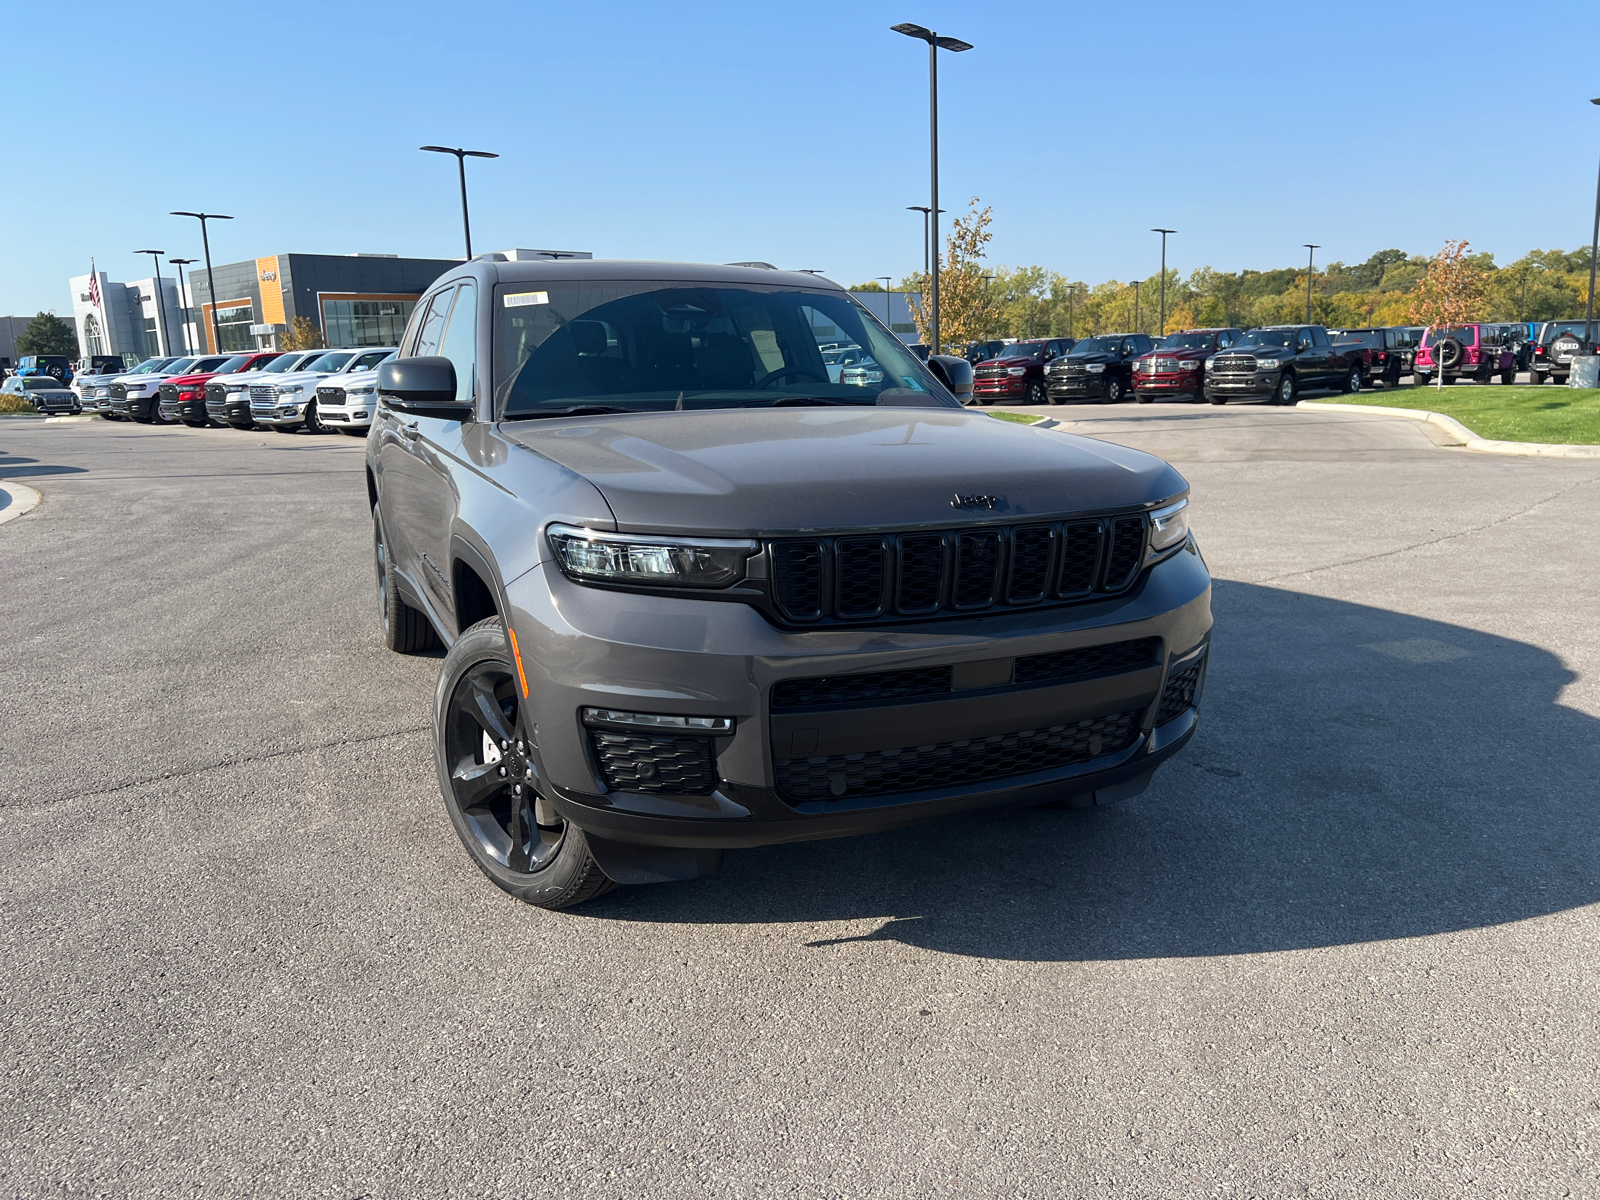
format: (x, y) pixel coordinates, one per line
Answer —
(241, 428)
(197, 424)
(1286, 391)
(1141, 398)
(313, 423)
(1507, 378)
(1035, 393)
(1112, 391)
(1217, 399)
(513, 836)
(405, 629)
(1352, 382)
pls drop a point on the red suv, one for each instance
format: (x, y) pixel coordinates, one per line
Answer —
(183, 397)
(1176, 368)
(1477, 352)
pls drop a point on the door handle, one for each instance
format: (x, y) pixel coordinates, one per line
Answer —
(408, 429)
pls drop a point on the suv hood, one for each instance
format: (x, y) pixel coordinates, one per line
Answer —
(791, 469)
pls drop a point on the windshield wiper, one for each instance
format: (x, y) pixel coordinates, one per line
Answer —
(576, 410)
(798, 401)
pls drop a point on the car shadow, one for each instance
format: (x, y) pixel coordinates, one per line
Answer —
(15, 466)
(1359, 774)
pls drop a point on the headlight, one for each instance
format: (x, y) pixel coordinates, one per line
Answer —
(1016, 370)
(1210, 362)
(1169, 525)
(638, 558)
(360, 391)
(1094, 368)
(1267, 364)
(293, 390)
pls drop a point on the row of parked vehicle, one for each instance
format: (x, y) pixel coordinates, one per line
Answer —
(1277, 361)
(315, 390)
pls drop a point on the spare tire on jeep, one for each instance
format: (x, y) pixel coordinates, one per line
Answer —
(1447, 353)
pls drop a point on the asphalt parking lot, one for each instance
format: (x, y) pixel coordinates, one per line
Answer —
(1345, 946)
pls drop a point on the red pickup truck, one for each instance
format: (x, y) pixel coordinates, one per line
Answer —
(1176, 368)
(183, 397)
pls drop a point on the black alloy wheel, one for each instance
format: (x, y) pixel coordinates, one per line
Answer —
(491, 784)
(1112, 389)
(1285, 393)
(1035, 393)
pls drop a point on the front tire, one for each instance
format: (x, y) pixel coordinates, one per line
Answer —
(1352, 383)
(1035, 393)
(405, 629)
(312, 421)
(1111, 391)
(1286, 392)
(512, 833)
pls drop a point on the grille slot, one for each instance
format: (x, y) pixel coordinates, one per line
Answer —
(1086, 660)
(797, 574)
(1127, 550)
(851, 689)
(918, 768)
(1234, 364)
(965, 570)
(654, 762)
(1182, 689)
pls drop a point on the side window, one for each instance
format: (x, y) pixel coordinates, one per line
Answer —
(460, 344)
(1319, 337)
(432, 325)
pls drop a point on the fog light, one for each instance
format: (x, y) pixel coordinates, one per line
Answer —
(665, 721)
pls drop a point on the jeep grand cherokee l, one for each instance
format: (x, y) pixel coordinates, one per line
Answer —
(698, 597)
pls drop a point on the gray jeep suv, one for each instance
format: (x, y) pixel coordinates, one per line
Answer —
(697, 597)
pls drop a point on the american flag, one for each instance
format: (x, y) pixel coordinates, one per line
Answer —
(94, 285)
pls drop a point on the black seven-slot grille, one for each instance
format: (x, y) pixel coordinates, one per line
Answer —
(876, 687)
(862, 578)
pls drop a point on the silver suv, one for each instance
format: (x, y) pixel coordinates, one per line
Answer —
(698, 595)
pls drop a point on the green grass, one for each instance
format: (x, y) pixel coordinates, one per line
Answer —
(1019, 418)
(1519, 413)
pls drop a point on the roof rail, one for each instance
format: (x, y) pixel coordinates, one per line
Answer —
(762, 265)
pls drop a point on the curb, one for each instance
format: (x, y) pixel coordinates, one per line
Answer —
(1469, 440)
(15, 500)
(33, 416)
(70, 418)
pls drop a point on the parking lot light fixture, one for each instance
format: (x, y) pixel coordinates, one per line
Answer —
(1163, 233)
(1311, 269)
(461, 167)
(211, 286)
(936, 43)
(161, 307)
(924, 210)
(183, 303)
(1594, 248)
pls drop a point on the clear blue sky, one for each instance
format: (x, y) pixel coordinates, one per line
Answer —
(791, 133)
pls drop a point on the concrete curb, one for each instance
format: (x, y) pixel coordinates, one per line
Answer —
(1469, 440)
(70, 417)
(33, 416)
(16, 499)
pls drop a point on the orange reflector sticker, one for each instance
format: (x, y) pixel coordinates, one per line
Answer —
(517, 654)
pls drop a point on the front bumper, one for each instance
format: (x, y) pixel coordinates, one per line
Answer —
(1170, 383)
(140, 408)
(281, 416)
(608, 649)
(1262, 383)
(192, 410)
(992, 388)
(1076, 386)
(352, 416)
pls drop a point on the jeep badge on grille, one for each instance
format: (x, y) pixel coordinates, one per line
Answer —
(974, 501)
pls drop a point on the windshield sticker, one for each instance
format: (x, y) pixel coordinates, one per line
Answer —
(518, 299)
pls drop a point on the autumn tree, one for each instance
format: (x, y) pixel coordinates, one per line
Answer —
(965, 299)
(303, 334)
(1453, 290)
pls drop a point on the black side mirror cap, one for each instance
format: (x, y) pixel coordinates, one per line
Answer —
(425, 385)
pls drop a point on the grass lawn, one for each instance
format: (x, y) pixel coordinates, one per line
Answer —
(1518, 413)
(1020, 418)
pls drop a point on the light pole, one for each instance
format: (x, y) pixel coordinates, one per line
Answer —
(924, 210)
(1136, 328)
(1163, 233)
(1311, 269)
(161, 306)
(1594, 248)
(211, 286)
(935, 44)
(1072, 295)
(461, 166)
(888, 297)
(183, 304)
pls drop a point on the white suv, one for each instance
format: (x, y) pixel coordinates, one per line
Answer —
(346, 402)
(291, 401)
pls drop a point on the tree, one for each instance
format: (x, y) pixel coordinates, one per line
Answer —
(1453, 290)
(303, 335)
(871, 285)
(964, 297)
(48, 334)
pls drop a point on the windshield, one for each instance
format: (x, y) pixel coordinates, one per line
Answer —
(331, 362)
(177, 366)
(371, 359)
(149, 366)
(1098, 345)
(635, 347)
(36, 383)
(1187, 341)
(1465, 334)
(236, 363)
(202, 365)
(1273, 338)
(288, 362)
(1022, 350)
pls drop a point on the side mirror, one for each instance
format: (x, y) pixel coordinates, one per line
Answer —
(425, 386)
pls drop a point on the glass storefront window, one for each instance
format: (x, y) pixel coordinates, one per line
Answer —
(365, 322)
(152, 347)
(233, 328)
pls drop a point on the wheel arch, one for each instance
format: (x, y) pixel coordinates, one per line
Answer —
(475, 586)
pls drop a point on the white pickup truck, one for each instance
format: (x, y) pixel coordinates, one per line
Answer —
(290, 402)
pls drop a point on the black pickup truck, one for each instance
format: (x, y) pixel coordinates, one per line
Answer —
(1278, 362)
(1385, 352)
